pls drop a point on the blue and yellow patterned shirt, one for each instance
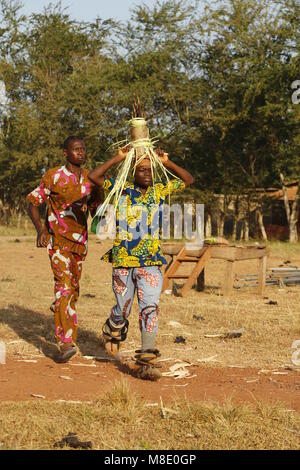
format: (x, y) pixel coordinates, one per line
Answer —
(139, 223)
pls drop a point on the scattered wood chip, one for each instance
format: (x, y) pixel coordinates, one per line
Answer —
(264, 371)
(207, 359)
(180, 365)
(99, 358)
(177, 375)
(236, 367)
(34, 395)
(163, 413)
(178, 371)
(165, 410)
(65, 377)
(175, 385)
(230, 335)
(217, 335)
(175, 324)
(279, 373)
(169, 410)
(73, 402)
(27, 360)
(82, 365)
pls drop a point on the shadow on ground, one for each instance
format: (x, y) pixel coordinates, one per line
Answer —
(38, 330)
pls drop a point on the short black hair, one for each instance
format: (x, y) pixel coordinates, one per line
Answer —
(71, 138)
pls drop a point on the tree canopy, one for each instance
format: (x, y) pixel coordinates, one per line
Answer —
(216, 85)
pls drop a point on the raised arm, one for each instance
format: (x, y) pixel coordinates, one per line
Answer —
(97, 175)
(184, 175)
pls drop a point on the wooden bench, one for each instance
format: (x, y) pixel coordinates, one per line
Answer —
(230, 254)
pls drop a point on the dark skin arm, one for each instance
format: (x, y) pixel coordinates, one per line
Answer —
(97, 175)
(95, 200)
(184, 175)
(42, 232)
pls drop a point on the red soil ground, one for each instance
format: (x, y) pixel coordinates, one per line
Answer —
(19, 380)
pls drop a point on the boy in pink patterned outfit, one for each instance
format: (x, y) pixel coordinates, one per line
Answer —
(69, 195)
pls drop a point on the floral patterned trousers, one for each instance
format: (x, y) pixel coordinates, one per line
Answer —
(147, 282)
(67, 268)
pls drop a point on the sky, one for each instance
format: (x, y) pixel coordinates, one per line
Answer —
(90, 9)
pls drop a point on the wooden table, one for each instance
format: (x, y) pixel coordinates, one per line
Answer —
(231, 254)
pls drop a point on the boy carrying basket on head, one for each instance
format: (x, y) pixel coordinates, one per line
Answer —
(136, 254)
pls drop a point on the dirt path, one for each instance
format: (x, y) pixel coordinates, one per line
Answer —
(93, 379)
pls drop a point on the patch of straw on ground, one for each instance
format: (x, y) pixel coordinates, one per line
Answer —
(26, 289)
(122, 421)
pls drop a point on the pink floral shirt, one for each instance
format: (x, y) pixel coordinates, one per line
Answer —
(68, 200)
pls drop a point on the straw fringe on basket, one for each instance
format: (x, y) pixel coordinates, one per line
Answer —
(133, 160)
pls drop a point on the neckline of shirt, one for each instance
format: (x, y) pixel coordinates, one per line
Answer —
(68, 173)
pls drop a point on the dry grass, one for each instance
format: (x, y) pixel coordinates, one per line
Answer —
(283, 249)
(11, 231)
(26, 289)
(122, 421)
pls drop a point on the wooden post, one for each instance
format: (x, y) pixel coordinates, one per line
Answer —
(172, 269)
(201, 281)
(196, 271)
(262, 269)
(228, 282)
